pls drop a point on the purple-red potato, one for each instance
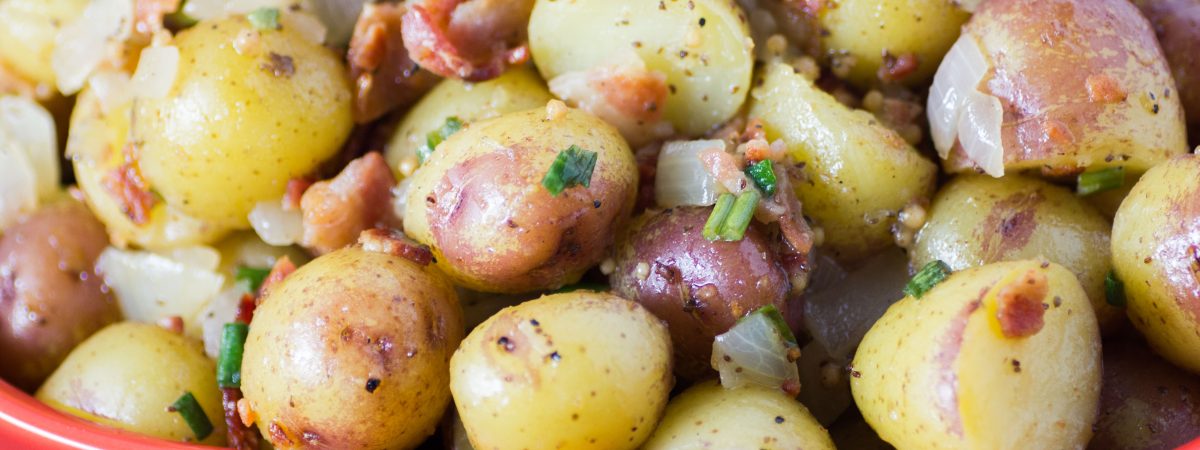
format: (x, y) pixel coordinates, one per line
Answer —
(50, 296)
(1067, 86)
(1145, 404)
(479, 202)
(1177, 24)
(699, 287)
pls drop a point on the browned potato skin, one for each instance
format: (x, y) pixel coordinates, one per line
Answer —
(50, 296)
(1044, 53)
(699, 288)
(1145, 404)
(346, 318)
(1177, 24)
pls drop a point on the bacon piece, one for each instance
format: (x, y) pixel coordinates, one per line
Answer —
(896, 68)
(282, 268)
(384, 75)
(726, 168)
(395, 243)
(628, 96)
(336, 211)
(240, 435)
(132, 193)
(1019, 305)
(295, 191)
(472, 40)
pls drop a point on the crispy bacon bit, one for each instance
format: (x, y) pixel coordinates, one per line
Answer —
(725, 168)
(282, 268)
(555, 109)
(336, 211)
(279, 65)
(246, 307)
(295, 191)
(148, 14)
(173, 324)
(1103, 89)
(248, 415)
(385, 77)
(472, 40)
(628, 96)
(131, 193)
(896, 68)
(238, 432)
(1019, 305)
(1058, 132)
(279, 435)
(791, 388)
(395, 243)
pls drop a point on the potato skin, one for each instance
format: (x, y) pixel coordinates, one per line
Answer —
(859, 174)
(566, 371)
(869, 29)
(937, 372)
(1095, 93)
(1177, 24)
(127, 374)
(347, 318)
(977, 219)
(28, 29)
(1156, 253)
(480, 204)
(1145, 404)
(292, 103)
(710, 416)
(51, 298)
(699, 288)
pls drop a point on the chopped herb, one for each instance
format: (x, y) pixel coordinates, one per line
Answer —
(265, 18)
(1100, 180)
(775, 318)
(252, 276)
(229, 361)
(712, 228)
(179, 20)
(187, 407)
(929, 276)
(739, 218)
(572, 167)
(1114, 290)
(433, 138)
(763, 174)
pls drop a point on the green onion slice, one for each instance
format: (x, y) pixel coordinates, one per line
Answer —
(189, 408)
(712, 228)
(1100, 180)
(763, 174)
(739, 218)
(229, 361)
(452, 125)
(252, 276)
(572, 167)
(265, 18)
(1114, 290)
(929, 276)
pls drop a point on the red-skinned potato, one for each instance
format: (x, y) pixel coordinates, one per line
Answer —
(700, 288)
(1177, 24)
(1145, 404)
(51, 298)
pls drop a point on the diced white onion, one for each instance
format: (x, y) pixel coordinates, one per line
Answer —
(960, 73)
(681, 179)
(151, 286)
(969, 5)
(112, 88)
(275, 225)
(400, 197)
(839, 316)
(204, 9)
(81, 45)
(754, 352)
(212, 319)
(156, 71)
(27, 126)
(339, 17)
(18, 185)
(307, 25)
(979, 132)
(196, 257)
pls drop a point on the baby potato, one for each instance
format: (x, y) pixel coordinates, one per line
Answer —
(128, 374)
(703, 47)
(858, 174)
(698, 287)
(566, 371)
(1177, 24)
(709, 416)
(1145, 404)
(518, 89)
(1156, 253)
(28, 29)
(243, 117)
(977, 219)
(890, 40)
(480, 203)
(353, 350)
(1002, 356)
(51, 298)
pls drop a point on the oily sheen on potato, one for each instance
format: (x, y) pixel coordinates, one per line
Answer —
(879, 39)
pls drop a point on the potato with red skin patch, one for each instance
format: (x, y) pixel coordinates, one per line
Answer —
(947, 370)
(1146, 403)
(1177, 24)
(977, 219)
(51, 298)
(700, 288)
(480, 204)
(353, 350)
(1156, 253)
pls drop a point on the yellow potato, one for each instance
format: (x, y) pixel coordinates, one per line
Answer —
(237, 125)
(518, 89)
(28, 29)
(867, 30)
(567, 371)
(859, 174)
(708, 416)
(977, 219)
(126, 375)
(1003, 356)
(1156, 253)
(702, 46)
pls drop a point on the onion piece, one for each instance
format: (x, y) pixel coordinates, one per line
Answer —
(838, 317)
(979, 132)
(960, 73)
(339, 17)
(681, 180)
(112, 88)
(277, 226)
(212, 319)
(18, 185)
(151, 286)
(28, 127)
(156, 72)
(756, 351)
(307, 25)
(82, 45)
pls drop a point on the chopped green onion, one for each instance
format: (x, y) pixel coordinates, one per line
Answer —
(739, 218)
(433, 138)
(929, 276)
(1114, 290)
(1100, 180)
(252, 276)
(265, 18)
(763, 174)
(772, 314)
(187, 407)
(712, 228)
(229, 362)
(572, 167)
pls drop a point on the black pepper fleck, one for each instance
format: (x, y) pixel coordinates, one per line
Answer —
(508, 345)
(702, 21)
(778, 419)
(372, 384)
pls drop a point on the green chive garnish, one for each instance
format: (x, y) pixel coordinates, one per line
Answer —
(739, 218)
(1100, 180)
(572, 167)
(929, 276)
(252, 276)
(763, 174)
(229, 362)
(716, 219)
(435, 137)
(1114, 290)
(773, 316)
(187, 407)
